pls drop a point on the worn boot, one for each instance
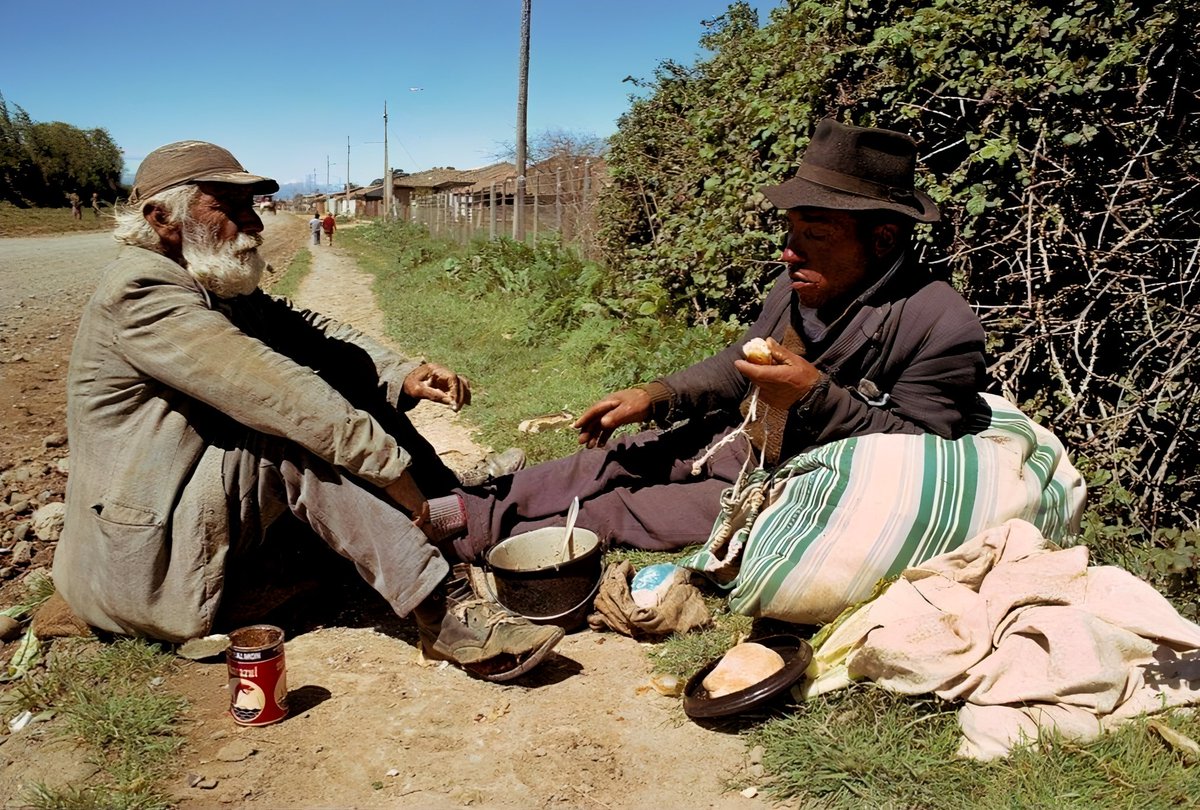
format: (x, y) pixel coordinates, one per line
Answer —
(480, 636)
(496, 465)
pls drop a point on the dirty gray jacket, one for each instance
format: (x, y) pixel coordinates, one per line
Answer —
(162, 379)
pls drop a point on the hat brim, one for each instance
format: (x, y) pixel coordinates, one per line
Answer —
(258, 183)
(801, 193)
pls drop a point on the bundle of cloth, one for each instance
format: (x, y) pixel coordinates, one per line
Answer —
(806, 540)
(1028, 636)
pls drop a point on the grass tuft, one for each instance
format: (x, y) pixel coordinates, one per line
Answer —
(16, 221)
(867, 747)
(288, 283)
(110, 699)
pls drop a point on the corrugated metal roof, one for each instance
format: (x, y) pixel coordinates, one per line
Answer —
(434, 179)
(497, 173)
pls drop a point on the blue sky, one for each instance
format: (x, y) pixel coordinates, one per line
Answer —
(284, 84)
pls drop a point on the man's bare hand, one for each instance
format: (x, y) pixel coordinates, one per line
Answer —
(405, 492)
(618, 408)
(439, 384)
(786, 381)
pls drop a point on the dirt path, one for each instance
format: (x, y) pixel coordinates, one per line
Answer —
(338, 289)
(373, 727)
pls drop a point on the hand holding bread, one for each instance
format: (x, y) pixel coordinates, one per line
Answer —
(758, 352)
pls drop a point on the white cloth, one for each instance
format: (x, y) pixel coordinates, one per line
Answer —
(1028, 636)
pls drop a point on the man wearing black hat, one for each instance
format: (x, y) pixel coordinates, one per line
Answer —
(200, 410)
(861, 340)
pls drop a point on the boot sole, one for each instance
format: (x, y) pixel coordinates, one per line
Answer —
(529, 662)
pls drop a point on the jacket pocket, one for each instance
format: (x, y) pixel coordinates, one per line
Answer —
(133, 561)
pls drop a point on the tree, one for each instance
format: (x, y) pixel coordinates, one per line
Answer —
(16, 168)
(40, 163)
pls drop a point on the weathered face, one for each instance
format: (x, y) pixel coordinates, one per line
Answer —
(226, 210)
(220, 240)
(827, 260)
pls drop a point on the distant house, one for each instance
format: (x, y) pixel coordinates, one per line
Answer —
(560, 193)
(347, 204)
(407, 188)
(497, 178)
(567, 174)
(419, 189)
(368, 199)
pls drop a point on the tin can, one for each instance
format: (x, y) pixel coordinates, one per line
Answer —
(257, 675)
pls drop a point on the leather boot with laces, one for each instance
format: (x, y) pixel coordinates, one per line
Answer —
(482, 637)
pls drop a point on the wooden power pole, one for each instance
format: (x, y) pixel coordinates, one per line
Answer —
(387, 170)
(522, 104)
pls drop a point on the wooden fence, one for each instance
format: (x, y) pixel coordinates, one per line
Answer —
(561, 202)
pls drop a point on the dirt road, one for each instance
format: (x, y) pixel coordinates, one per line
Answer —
(371, 726)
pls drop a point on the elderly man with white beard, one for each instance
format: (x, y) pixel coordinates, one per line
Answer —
(201, 409)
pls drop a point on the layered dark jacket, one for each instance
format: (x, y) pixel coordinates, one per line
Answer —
(907, 359)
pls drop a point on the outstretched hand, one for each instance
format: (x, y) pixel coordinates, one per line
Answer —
(622, 407)
(783, 383)
(437, 383)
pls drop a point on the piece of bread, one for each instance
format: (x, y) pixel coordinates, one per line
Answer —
(758, 352)
(740, 668)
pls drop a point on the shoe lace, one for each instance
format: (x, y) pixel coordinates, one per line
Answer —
(495, 614)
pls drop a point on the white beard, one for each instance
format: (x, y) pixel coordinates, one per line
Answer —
(226, 269)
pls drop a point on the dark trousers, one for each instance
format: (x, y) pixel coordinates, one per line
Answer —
(638, 491)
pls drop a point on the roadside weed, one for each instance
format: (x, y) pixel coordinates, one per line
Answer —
(288, 283)
(109, 697)
(866, 747)
(506, 326)
(15, 221)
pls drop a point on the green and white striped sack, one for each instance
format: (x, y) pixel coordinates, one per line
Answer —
(814, 536)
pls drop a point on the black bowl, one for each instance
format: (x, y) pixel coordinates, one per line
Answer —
(796, 654)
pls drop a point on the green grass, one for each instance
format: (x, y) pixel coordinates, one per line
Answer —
(289, 281)
(866, 747)
(428, 315)
(16, 221)
(109, 698)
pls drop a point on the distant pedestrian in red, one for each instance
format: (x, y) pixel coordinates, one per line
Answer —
(329, 226)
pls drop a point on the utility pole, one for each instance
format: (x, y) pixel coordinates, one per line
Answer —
(522, 104)
(348, 207)
(387, 170)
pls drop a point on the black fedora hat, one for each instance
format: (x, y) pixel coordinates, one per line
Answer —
(856, 169)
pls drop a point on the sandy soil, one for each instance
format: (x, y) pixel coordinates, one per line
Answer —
(371, 724)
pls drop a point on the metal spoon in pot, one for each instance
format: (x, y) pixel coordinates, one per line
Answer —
(568, 546)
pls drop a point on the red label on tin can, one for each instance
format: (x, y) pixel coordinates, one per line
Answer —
(257, 675)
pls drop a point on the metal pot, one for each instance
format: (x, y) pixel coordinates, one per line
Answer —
(532, 577)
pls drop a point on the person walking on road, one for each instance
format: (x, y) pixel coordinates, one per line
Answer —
(330, 225)
(96, 204)
(314, 225)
